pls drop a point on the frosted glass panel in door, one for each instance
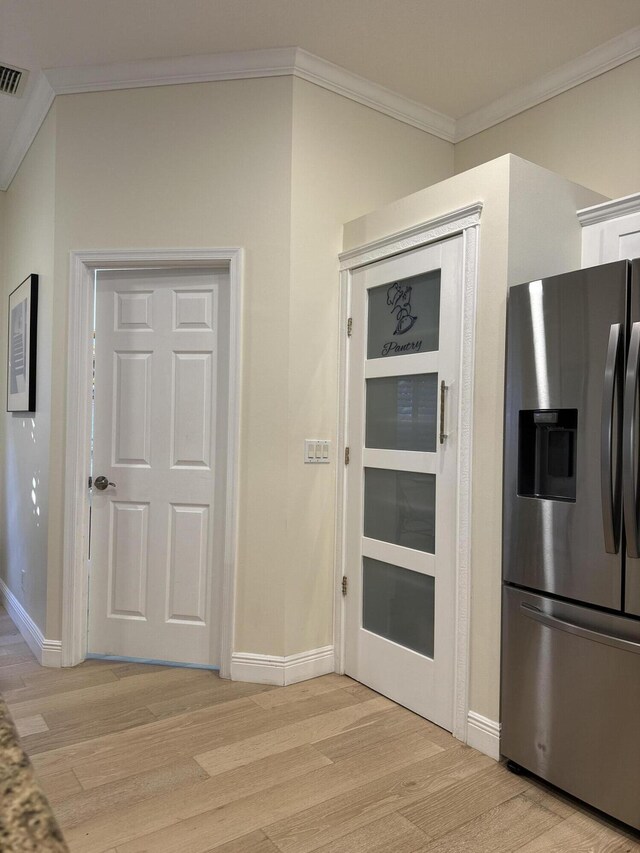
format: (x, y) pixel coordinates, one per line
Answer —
(404, 316)
(402, 411)
(398, 604)
(400, 507)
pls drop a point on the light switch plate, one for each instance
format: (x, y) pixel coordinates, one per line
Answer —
(316, 451)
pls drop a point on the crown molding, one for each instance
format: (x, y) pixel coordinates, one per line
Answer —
(337, 79)
(244, 65)
(276, 62)
(609, 210)
(612, 53)
(293, 61)
(36, 109)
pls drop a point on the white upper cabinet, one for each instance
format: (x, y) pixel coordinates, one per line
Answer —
(611, 231)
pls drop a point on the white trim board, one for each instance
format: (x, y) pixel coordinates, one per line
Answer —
(605, 57)
(607, 210)
(280, 671)
(47, 652)
(434, 229)
(79, 367)
(483, 734)
(465, 221)
(294, 61)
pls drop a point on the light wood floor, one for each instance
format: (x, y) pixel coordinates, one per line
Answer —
(142, 758)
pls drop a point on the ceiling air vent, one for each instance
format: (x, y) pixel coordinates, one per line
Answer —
(12, 80)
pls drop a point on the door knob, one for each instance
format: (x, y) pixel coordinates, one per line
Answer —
(102, 483)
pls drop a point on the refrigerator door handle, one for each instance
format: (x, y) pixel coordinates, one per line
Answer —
(610, 494)
(571, 628)
(629, 480)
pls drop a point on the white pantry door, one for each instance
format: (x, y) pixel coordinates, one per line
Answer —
(401, 478)
(156, 539)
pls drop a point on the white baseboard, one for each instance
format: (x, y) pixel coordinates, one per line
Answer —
(483, 734)
(267, 669)
(47, 652)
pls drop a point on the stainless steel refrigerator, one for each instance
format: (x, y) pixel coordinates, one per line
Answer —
(571, 558)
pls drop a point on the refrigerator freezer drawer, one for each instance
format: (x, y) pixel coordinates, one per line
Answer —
(571, 699)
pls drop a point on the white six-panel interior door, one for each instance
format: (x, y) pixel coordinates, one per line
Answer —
(157, 534)
(400, 549)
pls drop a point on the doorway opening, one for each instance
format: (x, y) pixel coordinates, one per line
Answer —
(403, 424)
(150, 528)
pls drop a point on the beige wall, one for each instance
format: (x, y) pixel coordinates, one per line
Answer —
(589, 134)
(29, 207)
(195, 165)
(274, 166)
(347, 159)
(528, 228)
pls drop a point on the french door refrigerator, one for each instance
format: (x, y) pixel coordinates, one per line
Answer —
(571, 558)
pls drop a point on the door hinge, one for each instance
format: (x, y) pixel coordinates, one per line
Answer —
(346, 456)
(345, 583)
(349, 326)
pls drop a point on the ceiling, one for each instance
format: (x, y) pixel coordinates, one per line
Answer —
(453, 56)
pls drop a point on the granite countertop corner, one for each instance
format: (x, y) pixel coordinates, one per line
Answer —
(27, 824)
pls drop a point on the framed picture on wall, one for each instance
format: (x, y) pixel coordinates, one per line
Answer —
(21, 350)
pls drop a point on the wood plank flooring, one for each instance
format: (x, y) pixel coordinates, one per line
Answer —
(147, 759)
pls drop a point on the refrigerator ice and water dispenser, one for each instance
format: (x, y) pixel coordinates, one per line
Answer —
(547, 454)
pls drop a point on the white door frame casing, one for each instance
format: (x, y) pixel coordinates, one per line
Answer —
(83, 265)
(465, 221)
